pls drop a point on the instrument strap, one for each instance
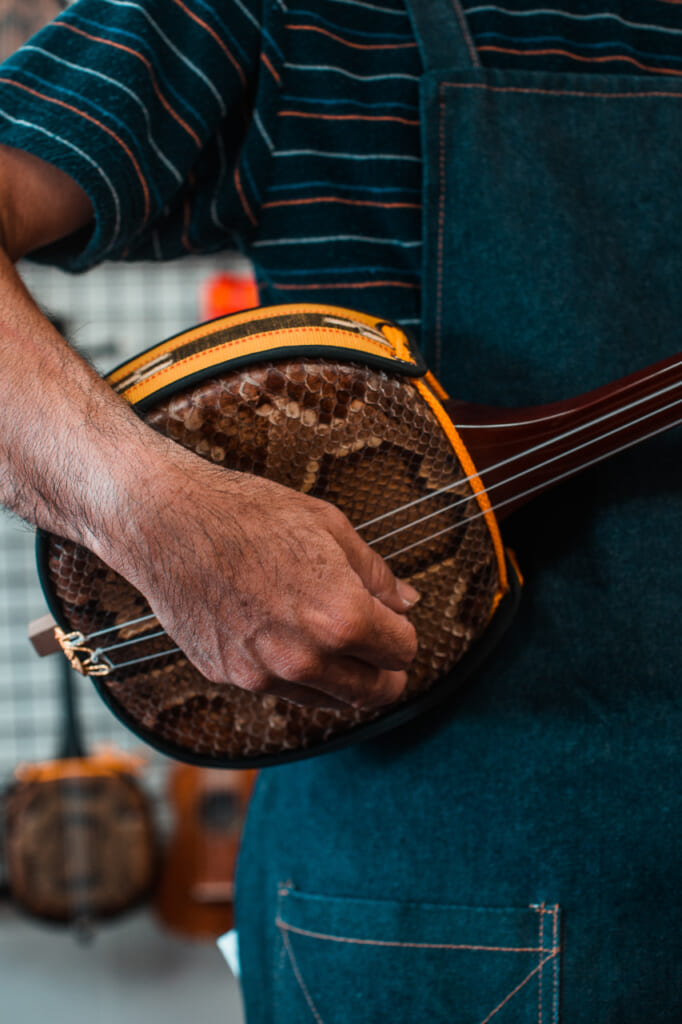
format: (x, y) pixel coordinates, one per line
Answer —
(261, 335)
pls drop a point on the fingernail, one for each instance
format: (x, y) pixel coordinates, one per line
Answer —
(407, 594)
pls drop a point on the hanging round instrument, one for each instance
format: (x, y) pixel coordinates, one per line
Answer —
(337, 404)
(79, 836)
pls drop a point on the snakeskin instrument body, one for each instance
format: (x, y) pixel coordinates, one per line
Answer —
(365, 438)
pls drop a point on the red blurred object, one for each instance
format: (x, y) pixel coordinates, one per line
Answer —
(228, 292)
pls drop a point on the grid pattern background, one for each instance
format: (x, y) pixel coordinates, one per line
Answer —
(110, 314)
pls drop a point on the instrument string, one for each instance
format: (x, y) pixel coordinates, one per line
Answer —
(526, 452)
(531, 490)
(101, 652)
(524, 472)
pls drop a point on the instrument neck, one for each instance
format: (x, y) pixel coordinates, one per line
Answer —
(71, 739)
(520, 453)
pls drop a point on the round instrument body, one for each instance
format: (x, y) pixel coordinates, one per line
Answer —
(357, 436)
(79, 847)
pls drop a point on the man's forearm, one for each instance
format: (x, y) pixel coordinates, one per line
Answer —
(62, 429)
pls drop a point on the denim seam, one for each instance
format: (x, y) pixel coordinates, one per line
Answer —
(541, 922)
(555, 981)
(652, 94)
(518, 988)
(282, 952)
(441, 228)
(299, 979)
(464, 26)
(285, 927)
(542, 910)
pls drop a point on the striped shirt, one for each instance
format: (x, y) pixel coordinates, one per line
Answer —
(286, 128)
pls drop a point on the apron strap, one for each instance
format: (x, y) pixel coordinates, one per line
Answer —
(442, 34)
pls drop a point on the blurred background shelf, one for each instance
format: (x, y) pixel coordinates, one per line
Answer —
(133, 971)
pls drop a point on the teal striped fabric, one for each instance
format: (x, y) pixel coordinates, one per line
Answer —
(288, 130)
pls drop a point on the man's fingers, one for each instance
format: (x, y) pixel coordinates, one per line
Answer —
(343, 678)
(366, 630)
(343, 686)
(304, 696)
(374, 572)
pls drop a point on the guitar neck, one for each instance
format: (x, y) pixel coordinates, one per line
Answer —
(520, 453)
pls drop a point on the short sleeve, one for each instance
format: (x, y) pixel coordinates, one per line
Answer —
(145, 103)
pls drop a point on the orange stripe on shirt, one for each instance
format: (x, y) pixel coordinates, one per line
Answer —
(349, 117)
(128, 49)
(342, 202)
(579, 57)
(214, 35)
(240, 190)
(346, 42)
(88, 117)
(270, 68)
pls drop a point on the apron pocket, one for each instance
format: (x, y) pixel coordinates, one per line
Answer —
(341, 960)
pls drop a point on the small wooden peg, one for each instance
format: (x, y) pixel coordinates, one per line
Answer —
(41, 635)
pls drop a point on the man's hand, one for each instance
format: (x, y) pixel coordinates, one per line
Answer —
(259, 585)
(264, 587)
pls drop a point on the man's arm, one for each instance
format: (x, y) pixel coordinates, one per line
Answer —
(258, 584)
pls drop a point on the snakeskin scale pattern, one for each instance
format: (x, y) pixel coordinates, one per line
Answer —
(360, 438)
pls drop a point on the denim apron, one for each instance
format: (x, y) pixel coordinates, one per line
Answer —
(516, 856)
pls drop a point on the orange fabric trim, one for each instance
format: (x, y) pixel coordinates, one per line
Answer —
(475, 481)
(436, 386)
(511, 555)
(327, 337)
(233, 320)
(399, 341)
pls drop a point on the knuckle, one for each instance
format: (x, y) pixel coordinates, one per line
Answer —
(302, 668)
(256, 681)
(213, 675)
(336, 520)
(344, 630)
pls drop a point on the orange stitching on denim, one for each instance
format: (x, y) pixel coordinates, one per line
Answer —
(299, 979)
(555, 985)
(583, 59)
(463, 24)
(406, 945)
(441, 228)
(281, 891)
(563, 92)
(541, 922)
(517, 989)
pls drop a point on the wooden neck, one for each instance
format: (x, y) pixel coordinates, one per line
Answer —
(520, 453)
(71, 739)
